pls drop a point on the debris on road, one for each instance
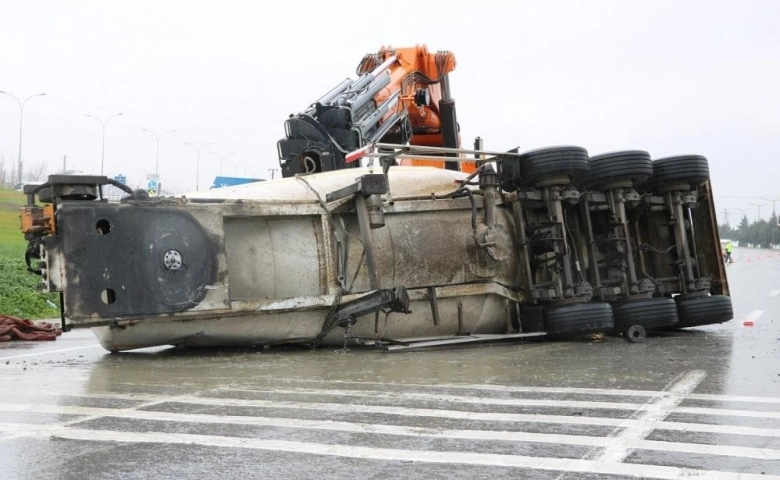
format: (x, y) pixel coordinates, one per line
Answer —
(14, 328)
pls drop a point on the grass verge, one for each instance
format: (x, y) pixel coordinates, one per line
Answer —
(20, 293)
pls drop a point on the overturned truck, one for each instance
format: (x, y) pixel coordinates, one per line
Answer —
(549, 242)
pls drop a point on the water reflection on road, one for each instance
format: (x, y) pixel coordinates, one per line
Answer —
(691, 402)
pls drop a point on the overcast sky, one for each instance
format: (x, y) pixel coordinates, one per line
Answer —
(667, 77)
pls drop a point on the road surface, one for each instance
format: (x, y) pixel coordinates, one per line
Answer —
(698, 403)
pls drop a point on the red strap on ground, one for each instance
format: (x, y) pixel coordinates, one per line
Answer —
(13, 328)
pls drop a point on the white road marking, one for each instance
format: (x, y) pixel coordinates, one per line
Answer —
(515, 402)
(133, 412)
(732, 398)
(551, 390)
(383, 429)
(726, 413)
(497, 388)
(47, 352)
(774, 293)
(656, 410)
(389, 454)
(629, 434)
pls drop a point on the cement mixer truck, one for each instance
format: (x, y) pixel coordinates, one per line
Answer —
(368, 246)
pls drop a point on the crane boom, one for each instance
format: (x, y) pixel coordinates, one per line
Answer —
(401, 95)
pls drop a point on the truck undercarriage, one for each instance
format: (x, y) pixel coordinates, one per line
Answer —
(550, 241)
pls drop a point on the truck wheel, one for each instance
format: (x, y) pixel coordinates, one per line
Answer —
(690, 169)
(554, 165)
(698, 311)
(627, 168)
(578, 319)
(635, 334)
(650, 313)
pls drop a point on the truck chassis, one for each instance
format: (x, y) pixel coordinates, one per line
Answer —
(547, 242)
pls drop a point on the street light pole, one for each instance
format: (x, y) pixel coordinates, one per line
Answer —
(157, 155)
(103, 149)
(197, 165)
(758, 215)
(743, 210)
(21, 118)
(221, 159)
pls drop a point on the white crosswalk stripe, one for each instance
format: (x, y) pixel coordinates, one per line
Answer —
(375, 416)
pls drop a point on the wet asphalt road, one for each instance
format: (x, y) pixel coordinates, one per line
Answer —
(698, 403)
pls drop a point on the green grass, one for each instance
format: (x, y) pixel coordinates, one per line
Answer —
(20, 294)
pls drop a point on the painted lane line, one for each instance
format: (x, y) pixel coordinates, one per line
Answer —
(484, 387)
(394, 430)
(656, 410)
(722, 412)
(774, 293)
(389, 454)
(732, 398)
(705, 449)
(520, 402)
(99, 413)
(516, 402)
(430, 412)
(497, 388)
(343, 408)
(90, 413)
(515, 389)
(47, 352)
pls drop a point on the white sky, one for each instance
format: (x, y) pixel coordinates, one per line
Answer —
(667, 77)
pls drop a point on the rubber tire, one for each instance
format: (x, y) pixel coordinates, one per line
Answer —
(539, 165)
(578, 319)
(650, 313)
(631, 165)
(692, 169)
(635, 334)
(698, 311)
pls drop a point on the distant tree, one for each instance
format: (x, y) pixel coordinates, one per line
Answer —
(742, 231)
(36, 171)
(725, 231)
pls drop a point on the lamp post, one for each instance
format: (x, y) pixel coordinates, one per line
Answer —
(222, 158)
(157, 155)
(103, 148)
(21, 118)
(197, 165)
(774, 217)
(743, 210)
(758, 215)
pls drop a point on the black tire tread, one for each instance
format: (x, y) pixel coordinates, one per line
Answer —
(691, 168)
(578, 319)
(695, 312)
(650, 313)
(634, 165)
(537, 165)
